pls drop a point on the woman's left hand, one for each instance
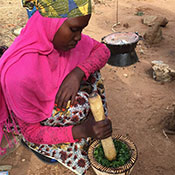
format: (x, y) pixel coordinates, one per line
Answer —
(69, 88)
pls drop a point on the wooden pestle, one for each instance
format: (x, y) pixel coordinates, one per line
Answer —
(98, 113)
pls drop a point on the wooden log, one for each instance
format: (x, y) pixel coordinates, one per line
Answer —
(98, 113)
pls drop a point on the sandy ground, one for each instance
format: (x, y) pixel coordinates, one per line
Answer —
(138, 105)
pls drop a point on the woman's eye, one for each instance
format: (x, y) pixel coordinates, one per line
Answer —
(74, 29)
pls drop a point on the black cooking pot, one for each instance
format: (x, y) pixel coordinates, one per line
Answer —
(122, 47)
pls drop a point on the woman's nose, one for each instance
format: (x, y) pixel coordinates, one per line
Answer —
(77, 36)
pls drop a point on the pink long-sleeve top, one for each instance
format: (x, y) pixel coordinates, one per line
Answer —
(39, 134)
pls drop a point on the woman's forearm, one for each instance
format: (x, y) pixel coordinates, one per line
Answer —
(36, 133)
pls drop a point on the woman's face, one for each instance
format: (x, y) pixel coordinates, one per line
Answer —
(69, 33)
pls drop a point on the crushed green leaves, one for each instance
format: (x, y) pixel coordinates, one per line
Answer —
(123, 155)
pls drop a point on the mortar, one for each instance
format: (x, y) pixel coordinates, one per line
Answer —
(113, 158)
(121, 170)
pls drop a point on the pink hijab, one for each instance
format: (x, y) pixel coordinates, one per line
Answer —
(31, 70)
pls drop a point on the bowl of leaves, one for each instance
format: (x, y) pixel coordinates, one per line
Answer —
(124, 162)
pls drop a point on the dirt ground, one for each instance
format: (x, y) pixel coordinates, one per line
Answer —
(138, 105)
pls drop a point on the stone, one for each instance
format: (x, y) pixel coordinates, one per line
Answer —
(141, 51)
(125, 75)
(153, 35)
(17, 31)
(169, 123)
(23, 160)
(162, 72)
(151, 20)
(126, 25)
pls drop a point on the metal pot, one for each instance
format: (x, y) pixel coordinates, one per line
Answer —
(122, 47)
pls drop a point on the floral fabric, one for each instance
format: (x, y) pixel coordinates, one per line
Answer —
(72, 155)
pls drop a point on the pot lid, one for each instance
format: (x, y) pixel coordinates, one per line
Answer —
(121, 38)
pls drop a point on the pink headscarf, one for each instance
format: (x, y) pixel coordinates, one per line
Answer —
(33, 70)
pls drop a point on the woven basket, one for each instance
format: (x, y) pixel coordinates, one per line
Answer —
(122, 170)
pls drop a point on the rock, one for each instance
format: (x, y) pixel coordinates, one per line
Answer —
(126, 25)
(149, 20)
(141, 51)
(162, 72)
(17, 31)
(23, 160)
(152, 20)
(125, 75)
(163, 21)
(170, 123)
(153, 35)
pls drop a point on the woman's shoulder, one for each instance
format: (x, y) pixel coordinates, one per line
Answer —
(87, 40)
(85, 37)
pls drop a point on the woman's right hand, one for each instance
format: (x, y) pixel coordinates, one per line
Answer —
(93, 129)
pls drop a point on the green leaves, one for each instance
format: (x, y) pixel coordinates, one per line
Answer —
(123, 156)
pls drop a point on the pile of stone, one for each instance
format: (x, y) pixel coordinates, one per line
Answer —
(162, 72)
(154, 33)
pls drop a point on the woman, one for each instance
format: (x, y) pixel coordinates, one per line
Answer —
(46, 77)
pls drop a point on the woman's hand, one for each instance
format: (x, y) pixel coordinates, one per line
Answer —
(69, 88)
(93, 129)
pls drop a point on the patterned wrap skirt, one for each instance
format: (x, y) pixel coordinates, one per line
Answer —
(72, 155)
